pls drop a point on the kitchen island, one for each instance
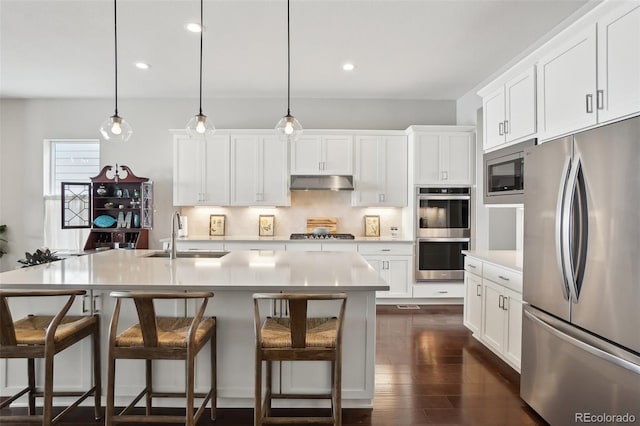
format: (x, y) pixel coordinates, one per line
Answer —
(233, 278)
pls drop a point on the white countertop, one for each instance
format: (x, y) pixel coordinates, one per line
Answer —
(511, 259)
(255, 270)
(286, 239)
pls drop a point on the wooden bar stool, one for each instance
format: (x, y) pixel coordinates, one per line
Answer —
(298, 337)
(43, 336)
(168, 338)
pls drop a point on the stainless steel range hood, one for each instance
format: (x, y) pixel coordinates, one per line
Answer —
(312, 182)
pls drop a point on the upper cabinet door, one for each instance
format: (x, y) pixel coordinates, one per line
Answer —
(456, 157)
(337, 155)
(520, 102)
(258, 171)
(187, 171)
(427, 158)
(215, 188)
(306, 155)
(619, 63)
(380, 176)
(493, 110)
(567, 86)
(322, 155)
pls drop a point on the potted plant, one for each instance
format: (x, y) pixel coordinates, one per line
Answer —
(40, 256)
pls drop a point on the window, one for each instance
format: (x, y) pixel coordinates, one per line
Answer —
(70, 161)
(66, 160)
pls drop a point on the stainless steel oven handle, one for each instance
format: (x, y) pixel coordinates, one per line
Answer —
(443, 197)
(443, 240)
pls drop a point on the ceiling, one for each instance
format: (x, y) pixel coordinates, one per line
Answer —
(421, 49)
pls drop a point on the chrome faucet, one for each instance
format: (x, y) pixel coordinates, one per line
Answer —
(174, 250)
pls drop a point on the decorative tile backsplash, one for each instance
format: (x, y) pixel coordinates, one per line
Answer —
(243, 221)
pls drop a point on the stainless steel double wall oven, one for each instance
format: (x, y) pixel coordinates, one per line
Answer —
(443, 230)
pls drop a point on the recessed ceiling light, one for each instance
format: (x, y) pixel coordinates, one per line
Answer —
(194, 27)
(348, 66)
(142, 65)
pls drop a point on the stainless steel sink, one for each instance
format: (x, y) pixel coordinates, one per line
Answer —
(191, 254)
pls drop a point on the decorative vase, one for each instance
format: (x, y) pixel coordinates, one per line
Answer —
(101, 191)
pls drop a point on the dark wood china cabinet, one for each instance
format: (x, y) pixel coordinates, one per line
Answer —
(117, 205)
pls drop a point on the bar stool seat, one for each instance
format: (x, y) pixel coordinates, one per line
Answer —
(43, 336)
(155, 338)
(298, 337)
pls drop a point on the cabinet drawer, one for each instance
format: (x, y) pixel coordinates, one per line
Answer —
(385, 249)
(473, 265)
(502, 276)
(340, 247)
(438, 290)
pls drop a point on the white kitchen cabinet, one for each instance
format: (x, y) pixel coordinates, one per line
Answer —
(510, 111)
(473, 302)
(493, 308)
(567, 85)
(259, 174)
(394, 263)
(502, 321)
(200, 171)
(380, 177)
(322, 155)
(442, 157)
(254, 245)
(618, 92)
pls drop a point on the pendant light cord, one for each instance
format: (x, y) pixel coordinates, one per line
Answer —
(115, 35)
(288, 63)
(201, 31)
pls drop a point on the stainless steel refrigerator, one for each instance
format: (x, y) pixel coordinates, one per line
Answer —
(581, 323)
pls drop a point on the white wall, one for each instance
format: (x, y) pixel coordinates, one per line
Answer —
(24, 124)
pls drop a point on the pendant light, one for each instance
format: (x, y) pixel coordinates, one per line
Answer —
(288, 127)
(199, 125)
(114, 128)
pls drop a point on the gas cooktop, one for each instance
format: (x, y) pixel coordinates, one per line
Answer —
(321, 237)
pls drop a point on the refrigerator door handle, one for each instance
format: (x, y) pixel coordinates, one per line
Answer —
(568, 230)
(560, 252)
(605, 355)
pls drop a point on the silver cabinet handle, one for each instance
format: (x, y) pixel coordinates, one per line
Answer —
(506, 127)
(443, 291)
(478, 293)
(501, 128)
(95, 303)
(472, 266)
(600, 99)
(589, 103)
(380, 197)
(501, 301)
(503, 278)
(385, 250)
(84, 304)
(445, 175)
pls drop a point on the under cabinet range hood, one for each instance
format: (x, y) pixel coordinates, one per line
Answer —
(318, 182)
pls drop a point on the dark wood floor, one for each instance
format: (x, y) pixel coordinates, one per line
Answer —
(429, 371)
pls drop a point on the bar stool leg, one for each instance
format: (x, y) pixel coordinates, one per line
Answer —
(214, 378)
(267, 397)
(257, 411)
(338, 389)
(111, 376)
(189, 391)
(97, 375)
(47, 405)
(32, 385)
(149, 384)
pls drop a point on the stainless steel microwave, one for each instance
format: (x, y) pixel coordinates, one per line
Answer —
(504, 174)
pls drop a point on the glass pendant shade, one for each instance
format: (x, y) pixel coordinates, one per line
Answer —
(200, 126)
(115, 129)
(288, 128)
